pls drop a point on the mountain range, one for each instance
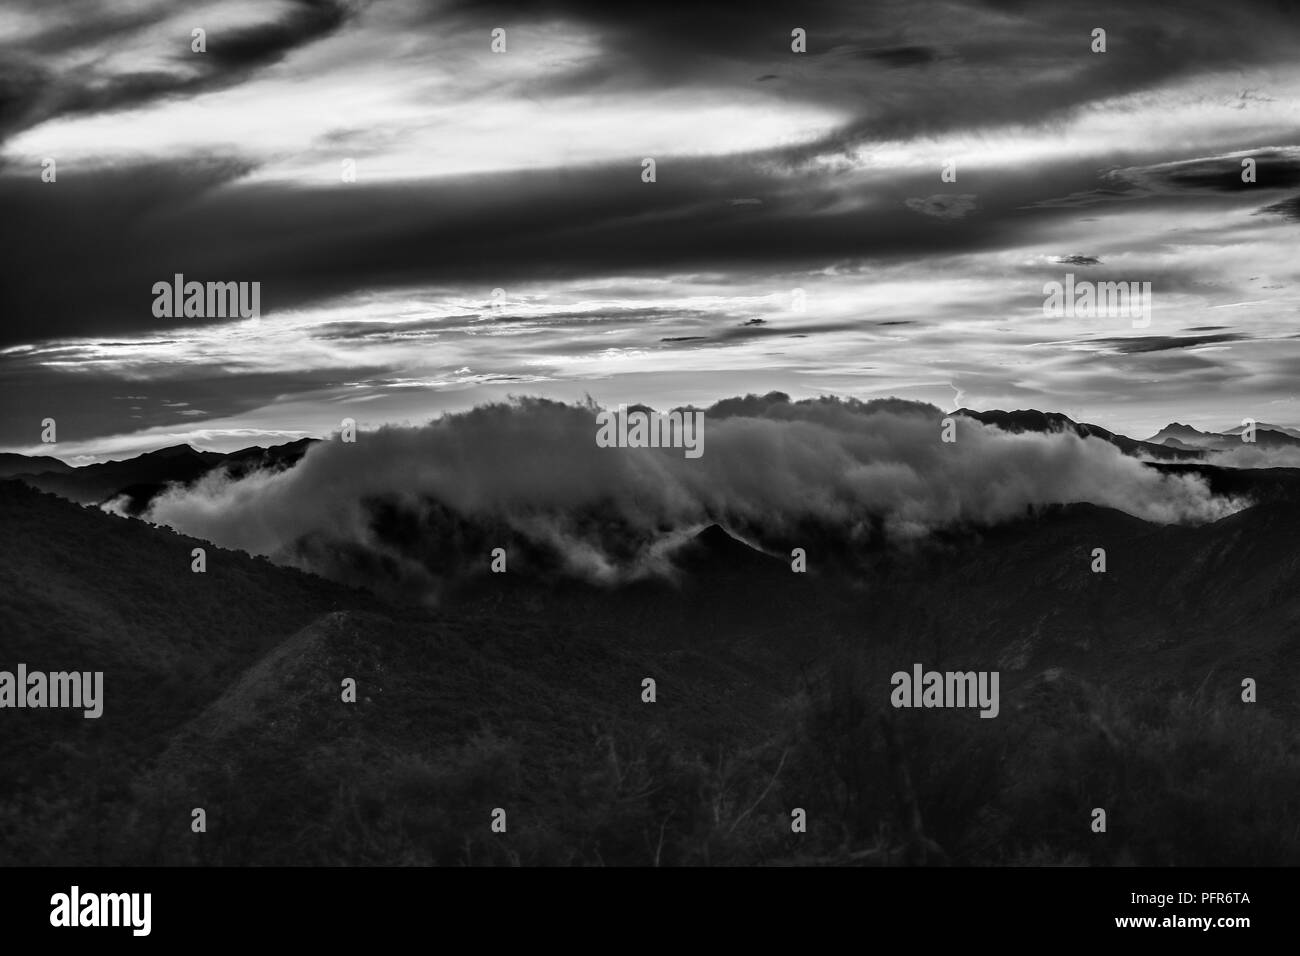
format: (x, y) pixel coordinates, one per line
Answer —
(131, 484)
(1121, 688)
(1185, 437)
(1174, 442)
(137, 480)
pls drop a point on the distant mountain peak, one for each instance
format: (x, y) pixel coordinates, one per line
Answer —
(1177, 434)
(716, 537)
(1263, 427)
(717, 545)
(173, 451)
(1033, 420)
(1177, 430)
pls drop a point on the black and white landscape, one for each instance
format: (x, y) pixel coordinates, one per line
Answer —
(527, 433)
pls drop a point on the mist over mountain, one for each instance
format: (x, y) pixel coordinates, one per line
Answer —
(406, 510)
(410, 508)
(223, 690)
(127, 486)
(1266, 442)
(1031, 420)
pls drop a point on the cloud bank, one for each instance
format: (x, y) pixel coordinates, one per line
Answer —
(409, 508)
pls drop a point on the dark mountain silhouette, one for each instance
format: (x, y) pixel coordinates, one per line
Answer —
(93, 483)
(255, 458)
(223, 689)
(82, 590)
(12, 464)
(1267, 438)
(1258, 485)
(1031, 420)
(1266, 435)
(138, 480)
(716, 552)
(1175, 442)
(1263, 426)
(1181, 433)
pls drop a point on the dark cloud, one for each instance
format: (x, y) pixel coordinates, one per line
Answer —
(21, 83)
(31, 91)
(1147, 45)
(351, 331)
(945, 206)
(902, 56)
(1164, 343)
(122, 229)
(307, 21)
(1274, 169)
(82, 255)
(1288, 209)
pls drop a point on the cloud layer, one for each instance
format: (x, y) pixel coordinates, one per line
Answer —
(408, 508)
(521, 170)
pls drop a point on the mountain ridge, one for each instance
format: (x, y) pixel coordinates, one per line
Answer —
(141, 478)
(227, 690)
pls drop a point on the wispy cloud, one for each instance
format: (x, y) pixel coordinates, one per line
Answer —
(522, 171)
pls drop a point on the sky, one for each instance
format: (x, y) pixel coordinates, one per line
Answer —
(498, 236)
